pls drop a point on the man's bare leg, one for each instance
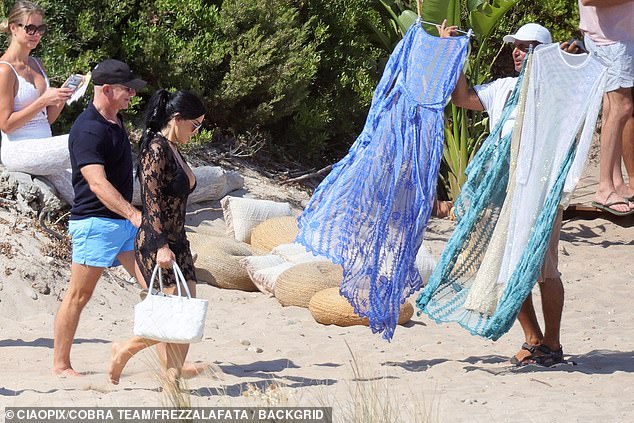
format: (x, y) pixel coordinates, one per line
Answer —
(617, 109)
(83, 280)
(552, 291)
(628, 150)
(528, 321)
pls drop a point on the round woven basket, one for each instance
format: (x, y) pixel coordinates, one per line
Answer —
(213, 228)
(206, 244)
(273, 232)
(218, 262)
(328, 307)
(296, 286)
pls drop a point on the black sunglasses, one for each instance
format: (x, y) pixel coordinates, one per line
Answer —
(524, 48)
(33, 29)
(130, 90)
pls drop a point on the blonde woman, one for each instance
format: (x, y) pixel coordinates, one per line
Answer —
(28, 105)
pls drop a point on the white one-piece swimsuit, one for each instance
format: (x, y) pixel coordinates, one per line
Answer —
(32, 149)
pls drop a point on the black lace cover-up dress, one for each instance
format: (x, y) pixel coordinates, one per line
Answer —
(165, 187)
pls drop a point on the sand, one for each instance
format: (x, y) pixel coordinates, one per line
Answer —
(271, 355)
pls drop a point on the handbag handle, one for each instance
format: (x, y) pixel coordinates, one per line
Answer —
(178, 276)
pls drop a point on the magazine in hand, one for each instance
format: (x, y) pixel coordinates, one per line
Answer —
(79, 84)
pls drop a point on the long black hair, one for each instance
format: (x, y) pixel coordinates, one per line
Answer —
(163, 106)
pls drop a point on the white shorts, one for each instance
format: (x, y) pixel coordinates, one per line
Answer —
(618, 58)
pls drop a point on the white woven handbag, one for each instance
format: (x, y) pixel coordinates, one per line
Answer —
(170, 318)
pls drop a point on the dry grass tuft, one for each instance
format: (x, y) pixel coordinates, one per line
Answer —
(372, 401)
(272, 395)
(61, 250)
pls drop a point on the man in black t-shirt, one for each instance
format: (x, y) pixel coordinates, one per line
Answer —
(103, 223)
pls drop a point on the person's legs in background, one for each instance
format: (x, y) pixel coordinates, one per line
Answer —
(612, 193)
(617, 109)
(628, 152)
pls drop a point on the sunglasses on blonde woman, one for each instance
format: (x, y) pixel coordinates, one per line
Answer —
(34, 29)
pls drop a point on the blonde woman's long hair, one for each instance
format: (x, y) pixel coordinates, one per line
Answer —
(20, 11)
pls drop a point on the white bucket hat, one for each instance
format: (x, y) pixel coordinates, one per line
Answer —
(530, 32)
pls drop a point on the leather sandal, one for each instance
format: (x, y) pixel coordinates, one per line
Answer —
(543, 356)
(527, 347)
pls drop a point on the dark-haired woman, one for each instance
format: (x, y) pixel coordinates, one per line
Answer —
(166, 182)
(28, 105)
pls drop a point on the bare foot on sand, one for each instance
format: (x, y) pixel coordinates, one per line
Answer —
(68, 372)
(117, 363)
(191, 370)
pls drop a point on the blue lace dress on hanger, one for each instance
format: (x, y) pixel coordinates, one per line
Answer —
(370, 213)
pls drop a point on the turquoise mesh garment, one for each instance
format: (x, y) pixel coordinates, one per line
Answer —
(370, 213)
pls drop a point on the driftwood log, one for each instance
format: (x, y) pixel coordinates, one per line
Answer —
(308, 176)
(212, 183)
(33, 195)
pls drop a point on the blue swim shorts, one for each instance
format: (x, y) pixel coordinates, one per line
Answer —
(97, 241)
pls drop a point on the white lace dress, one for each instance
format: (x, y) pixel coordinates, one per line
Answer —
(32, 149)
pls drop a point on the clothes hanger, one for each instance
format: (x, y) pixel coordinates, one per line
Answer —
(419, 7)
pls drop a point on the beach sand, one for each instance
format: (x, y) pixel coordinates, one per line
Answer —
(271, 355)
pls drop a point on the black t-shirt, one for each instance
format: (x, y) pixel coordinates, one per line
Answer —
(94, 140)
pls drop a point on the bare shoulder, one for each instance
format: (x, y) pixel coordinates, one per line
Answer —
(6, 69)
(7, 74)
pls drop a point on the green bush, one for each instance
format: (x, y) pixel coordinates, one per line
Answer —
(334, 112)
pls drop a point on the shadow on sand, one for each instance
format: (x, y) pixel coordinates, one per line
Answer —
(47, 342)
(595, 362)
(594, 233)
(266, 371)
(415, 365)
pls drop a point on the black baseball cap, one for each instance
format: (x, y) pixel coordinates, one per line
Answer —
(113, 71)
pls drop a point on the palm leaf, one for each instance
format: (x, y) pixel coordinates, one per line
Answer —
(474, 4)
(438, 10)
(406, 19)
(485, 18)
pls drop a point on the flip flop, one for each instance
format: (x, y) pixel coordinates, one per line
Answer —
(607, 207)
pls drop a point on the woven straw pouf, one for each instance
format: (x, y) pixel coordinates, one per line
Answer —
(295, 286)
(328, 307)
(273, 232)
(218, 262)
